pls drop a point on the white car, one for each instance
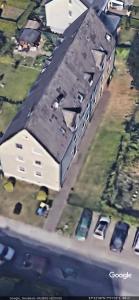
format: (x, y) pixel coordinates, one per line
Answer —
(101, 227)
(6, 253)
(136, 243)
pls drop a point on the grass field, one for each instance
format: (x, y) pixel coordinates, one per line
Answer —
(25, 194)
(8, 27)
(69, 220)
(24, 76)
(127, 35)
(7, 114)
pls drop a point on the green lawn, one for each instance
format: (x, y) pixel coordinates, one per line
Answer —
(69, 220)
(8, 112)
(102, 153)
(127, 35)
(25, 194)
(8, 27)
(17, 81)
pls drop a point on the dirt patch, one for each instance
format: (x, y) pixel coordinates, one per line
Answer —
(121, 102)
(12, 12)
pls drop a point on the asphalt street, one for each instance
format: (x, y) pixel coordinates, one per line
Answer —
(78, 275)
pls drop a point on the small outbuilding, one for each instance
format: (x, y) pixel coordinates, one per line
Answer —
(29, 38)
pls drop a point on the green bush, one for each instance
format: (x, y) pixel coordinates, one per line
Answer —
(122, 53)
(9, 186)
(41, 196)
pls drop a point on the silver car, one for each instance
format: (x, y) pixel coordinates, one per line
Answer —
(101, 227)
(136, 243)
(6, 253)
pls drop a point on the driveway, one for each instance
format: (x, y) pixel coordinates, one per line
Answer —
(61, 198)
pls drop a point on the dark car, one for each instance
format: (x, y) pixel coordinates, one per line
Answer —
(84, 224)
(119, 236)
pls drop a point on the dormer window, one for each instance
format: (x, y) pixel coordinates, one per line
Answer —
(80, 97)
(89, 77)
(60, 97)
(108, 37)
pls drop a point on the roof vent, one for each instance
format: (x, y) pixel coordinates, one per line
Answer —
(108, 37)
(62, 129)
(56, 105)
(89, 77)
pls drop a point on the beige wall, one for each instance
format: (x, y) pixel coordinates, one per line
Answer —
(31, 152)
(57, 13)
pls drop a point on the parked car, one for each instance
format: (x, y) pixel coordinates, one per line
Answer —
(136, 242)
(119, 236)
(42, 209)
(84, 225)
(6, 253)
(101, 227)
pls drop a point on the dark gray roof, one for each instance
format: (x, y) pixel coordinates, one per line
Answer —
(50, 111)
(29, 35)
(111, 21)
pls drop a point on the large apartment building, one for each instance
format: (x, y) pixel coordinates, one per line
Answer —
(41, 141)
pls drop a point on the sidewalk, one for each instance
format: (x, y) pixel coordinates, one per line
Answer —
(61, 198)
(89, 250)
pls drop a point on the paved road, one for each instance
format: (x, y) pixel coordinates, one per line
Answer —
(61, 198)
(89, 277)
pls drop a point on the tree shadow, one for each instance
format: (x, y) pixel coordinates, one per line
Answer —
(3, 39)
(133, 61)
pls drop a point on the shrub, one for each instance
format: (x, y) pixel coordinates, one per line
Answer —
(9, 186)
(42, 195)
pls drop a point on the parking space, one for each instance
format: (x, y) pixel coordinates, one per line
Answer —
(98, 245)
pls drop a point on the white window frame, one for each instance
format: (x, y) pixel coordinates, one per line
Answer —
(37, 165)
(19, 147)
(21, 160)
(36, 175)
(35, 152)
(21, 171)
(70, 13)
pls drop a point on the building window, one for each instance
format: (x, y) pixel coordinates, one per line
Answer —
(37, 173)
(36, 151)
(19, 146)
(20, 158)
(80, 97)
(70, 1)
(21, 169)
(38, 162)
(70, 13)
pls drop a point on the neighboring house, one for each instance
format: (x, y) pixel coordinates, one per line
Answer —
(61, 13)
(43, 138)
(29, 38)
(120, 5)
